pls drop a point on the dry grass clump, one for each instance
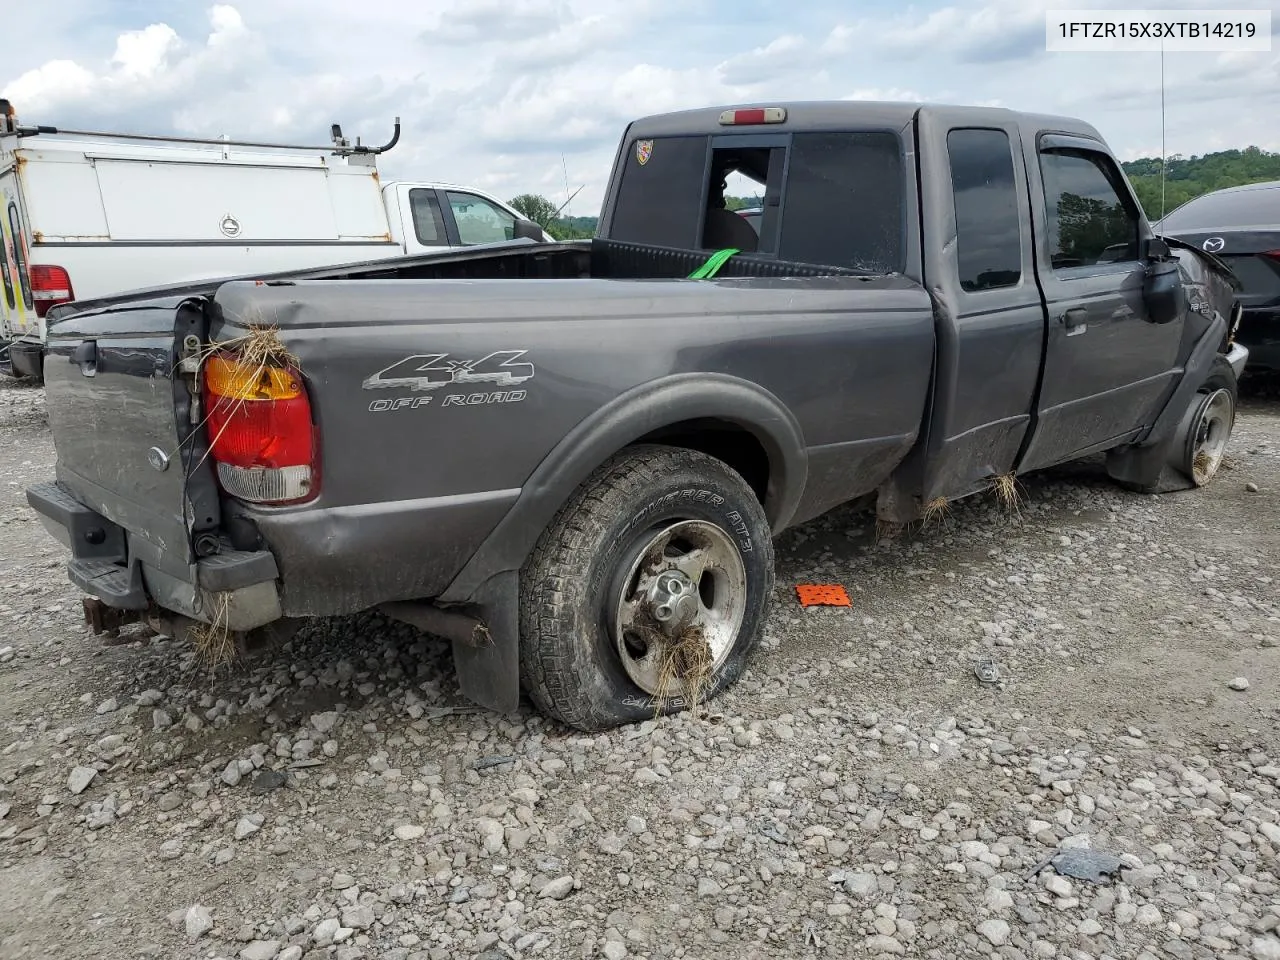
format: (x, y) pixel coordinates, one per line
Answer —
(685, 669)
(888, 530)
(1203, 464)
(214, 642)
(261, 347)
(1007, 490)
(936, 509)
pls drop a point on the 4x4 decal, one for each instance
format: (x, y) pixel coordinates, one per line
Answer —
(430, 371)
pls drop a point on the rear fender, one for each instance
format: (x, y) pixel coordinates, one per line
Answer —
(649, 407)
(489, 584)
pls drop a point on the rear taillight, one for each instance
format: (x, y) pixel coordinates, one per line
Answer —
(260, 430)
(1272, 255)
(50, 286)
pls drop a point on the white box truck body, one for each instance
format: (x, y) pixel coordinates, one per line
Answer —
(91, 215)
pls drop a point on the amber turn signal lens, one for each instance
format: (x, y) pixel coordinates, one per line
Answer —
(236, 380)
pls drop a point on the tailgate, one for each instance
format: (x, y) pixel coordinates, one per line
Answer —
(120, 413)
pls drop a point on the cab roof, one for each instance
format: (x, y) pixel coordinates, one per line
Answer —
(832, 114)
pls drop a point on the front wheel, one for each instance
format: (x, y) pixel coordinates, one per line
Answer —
(1194, 454)
(646, 594)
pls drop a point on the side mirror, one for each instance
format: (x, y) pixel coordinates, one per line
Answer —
(527, 230)
(1163, 294)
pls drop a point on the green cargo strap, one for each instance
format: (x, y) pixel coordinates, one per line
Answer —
(713, 265)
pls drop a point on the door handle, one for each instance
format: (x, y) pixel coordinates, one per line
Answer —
(1074, 320)
(85, 357)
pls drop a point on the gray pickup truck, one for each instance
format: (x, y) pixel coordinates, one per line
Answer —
(571, 459)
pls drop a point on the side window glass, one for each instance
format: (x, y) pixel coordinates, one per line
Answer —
(479, 221)
(1087, 218)
(845, 201)
(428, 225)
(988, 231)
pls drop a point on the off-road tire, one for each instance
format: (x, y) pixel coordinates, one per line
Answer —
(569, 665)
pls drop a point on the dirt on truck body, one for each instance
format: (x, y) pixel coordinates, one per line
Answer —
(572, 459)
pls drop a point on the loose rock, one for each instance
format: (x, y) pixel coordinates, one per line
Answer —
(198, 922)
(80, 779)
(557, 889)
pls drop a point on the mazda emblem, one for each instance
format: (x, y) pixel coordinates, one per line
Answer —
(1213, 245)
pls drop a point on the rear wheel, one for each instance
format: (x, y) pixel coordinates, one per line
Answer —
(646, 594)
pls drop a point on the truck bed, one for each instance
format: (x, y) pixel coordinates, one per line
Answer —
(414, 480)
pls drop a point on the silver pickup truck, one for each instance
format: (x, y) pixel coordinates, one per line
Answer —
(571, 459)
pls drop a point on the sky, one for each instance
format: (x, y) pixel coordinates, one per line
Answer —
(531, 96)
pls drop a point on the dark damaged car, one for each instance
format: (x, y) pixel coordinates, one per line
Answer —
(571, 459)
(1241, 226)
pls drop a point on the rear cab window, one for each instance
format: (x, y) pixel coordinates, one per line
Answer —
(831, 198)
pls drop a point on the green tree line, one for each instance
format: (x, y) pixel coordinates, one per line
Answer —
(1189, 177)
(546, 214)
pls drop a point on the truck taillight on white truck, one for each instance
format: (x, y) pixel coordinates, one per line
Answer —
(91, 214)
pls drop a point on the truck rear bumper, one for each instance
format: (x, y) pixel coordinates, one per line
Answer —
(234, 589)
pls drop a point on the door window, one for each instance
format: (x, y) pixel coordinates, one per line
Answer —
(988, 231)
(428, 225)
(1088, 219)
(479, 221)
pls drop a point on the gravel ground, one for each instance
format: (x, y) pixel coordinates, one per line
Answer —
(860, 793)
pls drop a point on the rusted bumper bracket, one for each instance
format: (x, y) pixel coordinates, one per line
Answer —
(104, 619)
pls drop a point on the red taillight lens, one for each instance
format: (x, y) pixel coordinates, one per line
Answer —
(260, 431)
(1272, 254)
(50, 286)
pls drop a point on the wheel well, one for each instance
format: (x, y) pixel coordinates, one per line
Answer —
(726, 441)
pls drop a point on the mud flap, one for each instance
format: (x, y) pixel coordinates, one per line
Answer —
(1140, 467)
(489, 672)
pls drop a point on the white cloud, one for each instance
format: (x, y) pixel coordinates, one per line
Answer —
(786, 53)
(506, 94)
(149, 67)
(883, 94)
(226, 22)
(143, 53)
(57, 81)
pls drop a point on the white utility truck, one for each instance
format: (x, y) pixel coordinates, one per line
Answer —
(88, 214)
